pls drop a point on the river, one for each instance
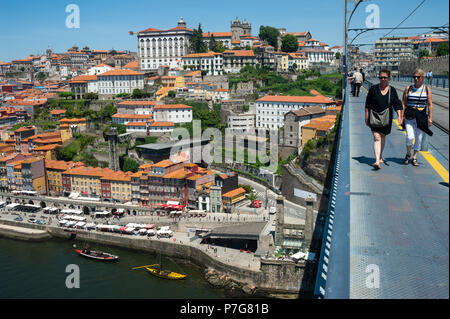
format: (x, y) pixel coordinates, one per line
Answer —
(38, 270)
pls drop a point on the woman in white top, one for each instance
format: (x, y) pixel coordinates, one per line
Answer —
(416, 101)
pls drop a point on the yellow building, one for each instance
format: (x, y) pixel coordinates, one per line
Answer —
(84, 180)
(117, 185)
(79, 124)
(66, 132)
(54, 170)
(162, 93)
(233, 196)
(172, 81)
(282, 60)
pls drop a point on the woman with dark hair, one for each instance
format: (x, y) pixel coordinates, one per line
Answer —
(380, 102)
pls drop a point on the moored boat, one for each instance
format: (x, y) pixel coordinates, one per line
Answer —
(157, 271)
(98, 255)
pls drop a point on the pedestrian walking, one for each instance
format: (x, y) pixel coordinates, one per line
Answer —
(417, 115)
(380, 101)
(429, 77)
(358, 81)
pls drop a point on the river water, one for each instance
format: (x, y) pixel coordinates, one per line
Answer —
(38, 270)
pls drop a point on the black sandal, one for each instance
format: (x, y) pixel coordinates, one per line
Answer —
(406, 160)
(414, 162)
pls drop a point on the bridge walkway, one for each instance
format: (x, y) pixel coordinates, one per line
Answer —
(386, 234)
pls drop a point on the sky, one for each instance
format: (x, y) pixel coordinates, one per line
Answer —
(29, 27)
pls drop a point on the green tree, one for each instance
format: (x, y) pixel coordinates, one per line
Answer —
(219, 47)
(197, 43)
(212, 43)
(269, 34)
(252, 196)
(424, 53)
(248, 188)
(172, 94)
(442, 49)
(130, 165)
(91, 96)
(107, 112)
(41, 76)
(289, 43)
(337, 55)
(66, 95)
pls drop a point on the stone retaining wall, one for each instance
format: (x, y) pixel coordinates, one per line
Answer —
(274, 277)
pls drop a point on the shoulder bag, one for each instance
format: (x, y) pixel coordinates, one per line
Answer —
(381, 119)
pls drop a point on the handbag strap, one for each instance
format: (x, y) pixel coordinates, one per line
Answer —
(389, 97)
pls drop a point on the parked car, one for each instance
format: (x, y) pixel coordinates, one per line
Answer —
(18, 219)
(256, 204)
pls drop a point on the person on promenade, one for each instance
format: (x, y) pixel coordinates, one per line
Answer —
(358, 81)
(429, 77)
(380, 101)
(417, 101)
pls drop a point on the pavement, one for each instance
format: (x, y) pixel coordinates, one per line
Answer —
(388, 234)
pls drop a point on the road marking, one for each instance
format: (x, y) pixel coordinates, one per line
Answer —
(443, 173)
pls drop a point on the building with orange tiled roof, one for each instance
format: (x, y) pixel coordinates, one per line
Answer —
(151, 41)
(136, 107)
(84, 180)
(54, 170)
(266, 105)
(235, 60)
(116, 82)
(116, 186)
(124, 119)
(159, 127)
(317, 128)
(176, 113)
(210, 62)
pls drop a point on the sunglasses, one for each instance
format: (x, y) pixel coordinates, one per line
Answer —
(383, 77)
(416, 77)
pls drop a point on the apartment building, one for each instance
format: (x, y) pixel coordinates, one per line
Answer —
(115, 82)
(389, 51)
(270, 109)
(235, 60)
(175, 113)
(211, 63)
(54, 170)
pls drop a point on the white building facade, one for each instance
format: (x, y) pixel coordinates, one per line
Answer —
(176, 113)
(119, 81)
(270, 109)
(163, 47)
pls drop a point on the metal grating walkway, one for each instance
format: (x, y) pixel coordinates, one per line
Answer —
(386, 234)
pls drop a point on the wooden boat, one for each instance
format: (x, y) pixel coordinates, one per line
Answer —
(98, 255)
(157, 271)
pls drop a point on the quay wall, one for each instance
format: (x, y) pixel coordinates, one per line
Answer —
(21, 233)
(274, 277)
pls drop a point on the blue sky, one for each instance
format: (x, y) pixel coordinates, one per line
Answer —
(29, 27)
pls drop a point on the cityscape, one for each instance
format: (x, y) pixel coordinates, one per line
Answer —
(223, 155)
